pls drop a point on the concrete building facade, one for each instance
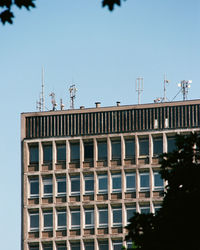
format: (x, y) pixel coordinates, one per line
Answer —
(86, 171)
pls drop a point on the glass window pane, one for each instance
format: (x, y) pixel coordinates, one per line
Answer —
(130, 213)
(88, 151)
(89, 183)
(61, 219)
(49, 247)
(89, 246)
(144, 146)
(130, 148)
(117, 245)
(48, 220)
(61, 247)
(157, 146)
(116, 183)
(103, 217)
(34, 188)
(75, 246)
(144, 181)
(103, 245)
(34, 221)
(171, 144)
(47, 153)
(75, 219)
(130, 181)
(33, 154)
(33, 247)
(145, 210)
(117, 217)
(116, 149)
(102, 150)
(89, 218)
(103, 183)
(158, 181)
(61, 152)
(61, 185)
(74, 151)
(75, 184)
(48, 187)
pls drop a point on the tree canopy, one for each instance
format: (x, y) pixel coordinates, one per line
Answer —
(175, 225)
(6, 7)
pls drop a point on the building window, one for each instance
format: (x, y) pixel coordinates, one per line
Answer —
(61, 152)
(103, 245)
(103, 217)
(75, 246)
(34, 221)
(89, 218)
(61, 247)
(61, 220)
(88, 151)
(89, 184)
(116, 183)
(74, 152)
(158, 181)
(171, 144)
(48, 220)
(103, 183)
(157, 146)
(130, 211)
(129, 148)
(47, 247)
(34, 188)
(117, 217)
(129, 245)
(130, 182)
(75, 219)
(89, 246)
(61, 186)
(116, 149)
(145, 209)
(144, 146)
(47, 186)
(47, 153)
(144, 181)
(102, 150)
(75, 185)
(34, 247)
(117, 245)
(33, 154)
(157, 207)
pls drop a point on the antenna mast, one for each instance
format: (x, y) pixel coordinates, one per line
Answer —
(185, 85)
(139, 87)
(42, 98)
(165, 90)
(53, 101)
(72, 91)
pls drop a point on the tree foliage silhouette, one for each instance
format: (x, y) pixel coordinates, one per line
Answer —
(176, 225)
(6, 7)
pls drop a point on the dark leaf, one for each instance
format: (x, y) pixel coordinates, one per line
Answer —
(111, 3)
(6, 16)
(25, 3)
(5, 3)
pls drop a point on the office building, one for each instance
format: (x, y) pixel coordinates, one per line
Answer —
(86, 171)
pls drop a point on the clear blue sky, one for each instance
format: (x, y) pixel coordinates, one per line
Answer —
(103, 53)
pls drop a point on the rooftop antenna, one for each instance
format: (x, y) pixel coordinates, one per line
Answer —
(185, 85)
(61, 104)
(39, 104)
(42, 97)
(165, 91)
(139, 86)
(72, 91)
(53, 101)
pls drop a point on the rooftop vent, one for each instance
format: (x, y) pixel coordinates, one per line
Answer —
(118, 104)
(97, 104)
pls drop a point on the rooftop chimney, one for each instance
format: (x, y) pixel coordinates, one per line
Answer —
(118, 104)
(97, 104)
